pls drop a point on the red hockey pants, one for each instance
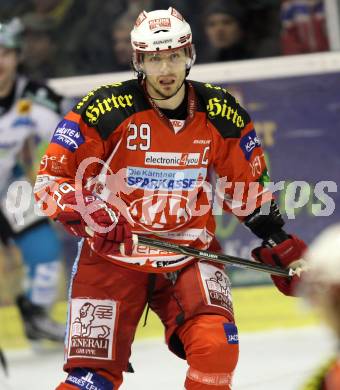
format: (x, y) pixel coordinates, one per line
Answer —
(107, 302)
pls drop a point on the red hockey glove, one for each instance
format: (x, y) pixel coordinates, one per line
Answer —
(71, 219)
(110, 241)
(106, 226)
(287, 253)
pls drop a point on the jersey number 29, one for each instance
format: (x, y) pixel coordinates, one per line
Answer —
(138, 137)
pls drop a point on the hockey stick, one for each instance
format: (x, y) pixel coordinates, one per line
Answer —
(216, 257)
(3, 362)
(4, 376)
(207, 255)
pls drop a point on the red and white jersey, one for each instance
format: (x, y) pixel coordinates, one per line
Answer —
(156, 171)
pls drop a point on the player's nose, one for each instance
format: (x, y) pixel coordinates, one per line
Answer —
(165, 66)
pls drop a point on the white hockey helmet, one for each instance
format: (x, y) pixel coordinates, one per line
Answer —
(10, 34)
(159, 31)
(321, 281)
(324, 258)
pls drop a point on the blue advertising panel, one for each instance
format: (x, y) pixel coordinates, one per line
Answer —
(298, 121)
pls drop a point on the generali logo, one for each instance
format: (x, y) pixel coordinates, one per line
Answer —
(216, 285)
(92, 326)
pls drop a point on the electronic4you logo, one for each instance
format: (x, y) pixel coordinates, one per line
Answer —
(172, 159)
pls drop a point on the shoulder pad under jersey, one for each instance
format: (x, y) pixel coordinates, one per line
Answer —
(222, 109)
(42, 94)
(106, 107)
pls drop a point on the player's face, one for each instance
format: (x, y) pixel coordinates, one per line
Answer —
(165, 71)
(223, 31)
(8, 67)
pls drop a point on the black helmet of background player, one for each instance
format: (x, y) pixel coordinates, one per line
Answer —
(159, 31)
(10, 34)
(224, 23)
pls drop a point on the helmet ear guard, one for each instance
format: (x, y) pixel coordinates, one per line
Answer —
(192, 57)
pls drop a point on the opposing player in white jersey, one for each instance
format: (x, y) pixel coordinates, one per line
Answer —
(321, 286)
(27, 112)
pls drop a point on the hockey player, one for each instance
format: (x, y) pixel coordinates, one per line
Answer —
(138, 155)
(321, 285)
(27, 110)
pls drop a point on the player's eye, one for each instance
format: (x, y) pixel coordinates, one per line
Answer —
(174, 56)
(155, 59)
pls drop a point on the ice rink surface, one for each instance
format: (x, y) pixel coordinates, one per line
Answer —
(280, 360)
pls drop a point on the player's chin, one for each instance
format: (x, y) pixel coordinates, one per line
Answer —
(168, 89)
(168, 92)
